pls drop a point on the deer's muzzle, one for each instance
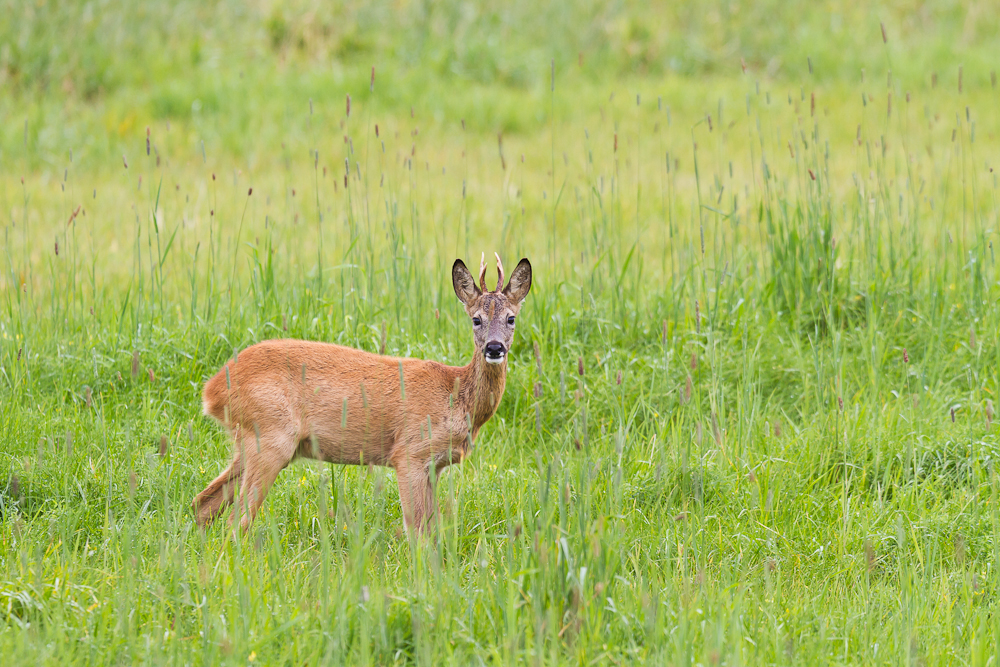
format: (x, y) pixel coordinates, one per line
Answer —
(495, 352)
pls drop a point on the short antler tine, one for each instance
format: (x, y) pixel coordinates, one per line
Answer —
(499, 273)
(482, 272)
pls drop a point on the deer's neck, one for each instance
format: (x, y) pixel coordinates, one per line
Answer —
(481, 389)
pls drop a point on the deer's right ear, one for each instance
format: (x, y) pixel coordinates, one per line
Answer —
(465, 285)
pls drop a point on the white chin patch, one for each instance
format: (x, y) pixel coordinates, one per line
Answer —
(498, 360)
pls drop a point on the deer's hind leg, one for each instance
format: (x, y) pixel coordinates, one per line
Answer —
(264, 457)
(219, 494)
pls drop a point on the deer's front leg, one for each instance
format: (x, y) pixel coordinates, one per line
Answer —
(416, 495)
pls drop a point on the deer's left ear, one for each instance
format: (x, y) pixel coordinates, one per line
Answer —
(520, 282)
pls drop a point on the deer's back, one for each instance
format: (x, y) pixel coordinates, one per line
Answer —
(304, 387)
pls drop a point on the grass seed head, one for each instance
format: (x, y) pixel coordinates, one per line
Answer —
(135, 364)
(164, 445)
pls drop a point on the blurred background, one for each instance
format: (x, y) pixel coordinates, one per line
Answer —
(94, 74)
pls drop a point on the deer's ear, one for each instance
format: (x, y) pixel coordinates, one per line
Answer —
(520, 282)
(465, 285)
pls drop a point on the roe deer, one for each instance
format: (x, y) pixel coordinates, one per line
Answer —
(281, 399)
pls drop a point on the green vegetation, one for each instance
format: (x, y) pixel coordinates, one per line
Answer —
(749, 417)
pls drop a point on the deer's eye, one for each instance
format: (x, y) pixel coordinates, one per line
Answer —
(476, 321)
(510, 320)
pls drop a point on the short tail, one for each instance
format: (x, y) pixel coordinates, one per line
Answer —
(215, 396)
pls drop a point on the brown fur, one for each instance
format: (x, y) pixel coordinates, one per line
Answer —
(280, 399)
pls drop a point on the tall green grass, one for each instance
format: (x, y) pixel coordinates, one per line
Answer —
(749, 416)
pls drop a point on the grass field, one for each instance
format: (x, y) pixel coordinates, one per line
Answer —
(749, 414)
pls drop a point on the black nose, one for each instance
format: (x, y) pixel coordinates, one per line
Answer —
(495, 350)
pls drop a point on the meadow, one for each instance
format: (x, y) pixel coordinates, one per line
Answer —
(749, 412)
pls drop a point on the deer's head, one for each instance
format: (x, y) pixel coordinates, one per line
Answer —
(493, 313)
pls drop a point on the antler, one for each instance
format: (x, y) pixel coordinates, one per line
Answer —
(482, 272)
(499, 273)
